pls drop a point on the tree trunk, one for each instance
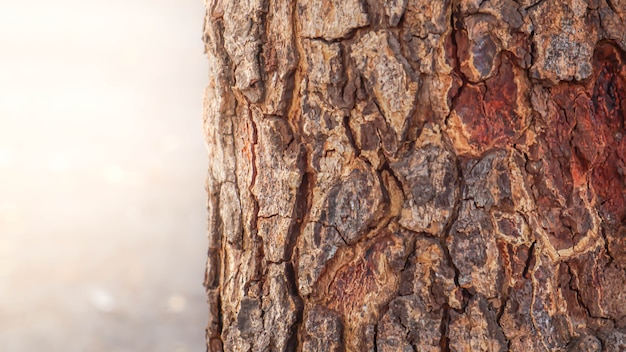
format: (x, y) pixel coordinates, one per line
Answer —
(416, 175)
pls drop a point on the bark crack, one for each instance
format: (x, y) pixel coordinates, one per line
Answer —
(444, 342)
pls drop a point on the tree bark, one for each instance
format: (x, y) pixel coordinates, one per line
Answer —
(416, 175)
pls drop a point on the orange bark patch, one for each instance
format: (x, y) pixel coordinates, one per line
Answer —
(582, 151)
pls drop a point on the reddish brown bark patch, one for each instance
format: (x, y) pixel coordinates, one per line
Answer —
(609, 105)
(582, 150)
(586, 134)
(569, 152)
(491, 114)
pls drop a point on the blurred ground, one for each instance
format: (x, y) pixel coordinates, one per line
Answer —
(102, 164)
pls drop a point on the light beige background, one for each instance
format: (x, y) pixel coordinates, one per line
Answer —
(102, 201)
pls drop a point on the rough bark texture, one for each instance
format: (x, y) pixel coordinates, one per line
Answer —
(416, 175)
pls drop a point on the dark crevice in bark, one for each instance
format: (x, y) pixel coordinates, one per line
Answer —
(529, 8)
(530, 261)
(375, 338)
(387, 217)
(220, 322)
(262, 36)
(254, 237)
(406, 330)
(613, 7)
(605, 239)
(301, 207)
(454, 28)
(444, 342)
(350, 135)
(343, 239)
(373, 100)
(330, 41)
(503, 300)
(453, 218)
(299, 219)
(574, 288)
(293, 342)
(387, 168)
(303, 196)
(456, 69)
(348, 82)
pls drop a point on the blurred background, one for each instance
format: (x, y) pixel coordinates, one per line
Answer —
(102, 165)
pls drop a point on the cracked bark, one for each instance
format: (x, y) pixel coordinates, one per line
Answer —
(416, 175)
